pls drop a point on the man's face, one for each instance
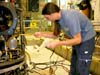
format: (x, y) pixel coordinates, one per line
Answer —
(52, 17)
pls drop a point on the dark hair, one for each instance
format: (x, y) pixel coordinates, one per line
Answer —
(85, 4)
(57, 28)
(50, 8)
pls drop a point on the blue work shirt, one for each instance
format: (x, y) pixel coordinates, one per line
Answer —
(73, 22)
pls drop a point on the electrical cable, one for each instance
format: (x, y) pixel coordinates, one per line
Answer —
(47, 65)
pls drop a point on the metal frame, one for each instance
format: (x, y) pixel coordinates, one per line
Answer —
(11, 8)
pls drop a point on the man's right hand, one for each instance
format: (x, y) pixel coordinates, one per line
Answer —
(38, 34)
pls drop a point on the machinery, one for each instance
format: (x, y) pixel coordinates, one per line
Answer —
(11, 43)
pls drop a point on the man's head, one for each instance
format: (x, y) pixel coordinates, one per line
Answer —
(51, 12)
(84, 4)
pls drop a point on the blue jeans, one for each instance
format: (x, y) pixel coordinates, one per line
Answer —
(81, 57)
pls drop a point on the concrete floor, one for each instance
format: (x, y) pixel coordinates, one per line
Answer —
(44, 61)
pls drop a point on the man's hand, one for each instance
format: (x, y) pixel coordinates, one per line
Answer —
(53, 44)
(38, 34)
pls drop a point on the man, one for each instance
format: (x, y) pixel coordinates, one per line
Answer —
(86, 8)
(82, 36)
